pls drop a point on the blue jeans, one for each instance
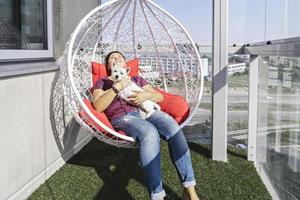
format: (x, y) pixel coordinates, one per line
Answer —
(147, 133)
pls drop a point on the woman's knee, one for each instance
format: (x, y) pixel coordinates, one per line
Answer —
(147, 133)
(149, 141)
(165, 124)
(139, 129)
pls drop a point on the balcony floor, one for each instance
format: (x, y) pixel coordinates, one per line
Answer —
(100, 171)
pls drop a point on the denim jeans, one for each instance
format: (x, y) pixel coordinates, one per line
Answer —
(147, 133)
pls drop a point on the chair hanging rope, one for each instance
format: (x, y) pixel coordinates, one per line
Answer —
(139, 29)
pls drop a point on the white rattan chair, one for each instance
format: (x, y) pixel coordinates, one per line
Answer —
(137, 28)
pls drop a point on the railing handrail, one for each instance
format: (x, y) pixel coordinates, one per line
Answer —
(289, 47)
(277, 41)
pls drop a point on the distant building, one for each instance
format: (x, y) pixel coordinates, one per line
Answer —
(236, 68)
(205, 67)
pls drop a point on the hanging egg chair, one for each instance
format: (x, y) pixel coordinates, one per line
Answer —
(141, 30)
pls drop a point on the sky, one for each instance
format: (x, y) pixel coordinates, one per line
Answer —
(248, 20)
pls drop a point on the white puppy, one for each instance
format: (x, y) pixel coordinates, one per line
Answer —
(147, 107)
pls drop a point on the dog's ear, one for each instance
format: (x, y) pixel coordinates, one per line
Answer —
(127, 70)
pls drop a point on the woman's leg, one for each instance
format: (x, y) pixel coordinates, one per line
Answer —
(178, 148)
(148, 138)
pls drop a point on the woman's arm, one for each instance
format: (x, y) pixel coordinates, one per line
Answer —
(153, 94)
(102, 99)
(149, 93)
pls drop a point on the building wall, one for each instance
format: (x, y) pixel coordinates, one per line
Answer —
(36, 135)
(67, 15)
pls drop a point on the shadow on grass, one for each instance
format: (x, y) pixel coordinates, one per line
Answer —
(240, 153)
(114, 166)
(204, 150)
(200, 149)
(171, 195)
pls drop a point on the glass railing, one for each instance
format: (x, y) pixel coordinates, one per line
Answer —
(237, 108)
(278, 115)
(278, 141)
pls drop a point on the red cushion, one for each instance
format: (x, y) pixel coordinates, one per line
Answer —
(99, 70)
(99, 115)
(174, 105)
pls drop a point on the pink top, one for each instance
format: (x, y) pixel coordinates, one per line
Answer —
(118, 106)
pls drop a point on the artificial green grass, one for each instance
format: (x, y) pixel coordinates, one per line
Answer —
(100, 171)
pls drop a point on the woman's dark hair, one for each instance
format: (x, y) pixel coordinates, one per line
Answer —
(108, 55)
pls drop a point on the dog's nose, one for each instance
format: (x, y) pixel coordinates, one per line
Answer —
(117, 76)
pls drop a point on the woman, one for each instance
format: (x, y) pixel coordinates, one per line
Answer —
(147, 132)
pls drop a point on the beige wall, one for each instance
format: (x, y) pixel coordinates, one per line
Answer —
(36, 138)
(33, 140)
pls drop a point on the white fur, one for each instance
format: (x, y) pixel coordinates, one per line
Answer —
(147, 107)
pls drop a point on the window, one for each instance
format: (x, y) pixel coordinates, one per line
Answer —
(25, 29)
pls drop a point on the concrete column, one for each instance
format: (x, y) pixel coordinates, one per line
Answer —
(219, 80)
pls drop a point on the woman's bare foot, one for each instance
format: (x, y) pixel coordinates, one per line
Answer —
(189, 194)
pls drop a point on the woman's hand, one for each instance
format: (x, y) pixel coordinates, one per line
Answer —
(123, 83)
(139, 97)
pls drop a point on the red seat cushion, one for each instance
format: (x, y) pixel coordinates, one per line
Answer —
(100, 115)
(174, 105)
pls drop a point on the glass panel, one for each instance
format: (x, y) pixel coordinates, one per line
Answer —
(275, 19)
(293, 14)
(246, 22)
(251, 21)
(23, 24)
(237, 122)
(282, 19)
(278, 142)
